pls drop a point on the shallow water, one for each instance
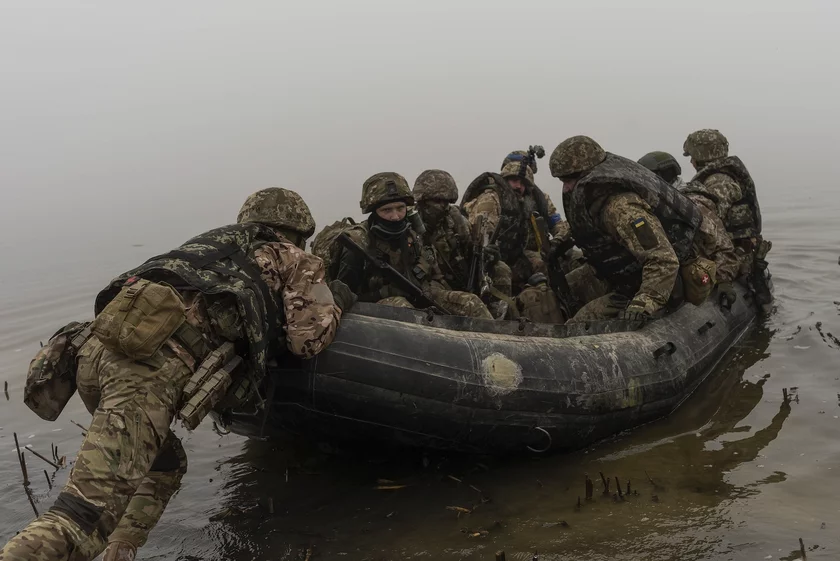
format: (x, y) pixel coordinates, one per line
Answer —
(733, 474)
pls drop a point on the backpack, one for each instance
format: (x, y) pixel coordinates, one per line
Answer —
(325, 247)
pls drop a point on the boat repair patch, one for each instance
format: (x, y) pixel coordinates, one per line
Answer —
(645, 234)
(501, 375)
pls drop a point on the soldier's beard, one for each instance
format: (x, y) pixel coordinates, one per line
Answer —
(388, 229)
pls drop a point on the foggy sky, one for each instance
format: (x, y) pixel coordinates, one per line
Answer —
(149, 122)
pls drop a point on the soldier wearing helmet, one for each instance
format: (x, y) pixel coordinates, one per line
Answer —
(633, 229)
(448, 232)
(712, 240)
(665, 166)
(241, 288)
(388, 234)
(506, 201)
(724, 182)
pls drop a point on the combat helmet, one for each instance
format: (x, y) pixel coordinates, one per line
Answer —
(662, 164)
(575, 155)
(384, 187)
(706, 145)
(280, 208)
(435, 184)
(522, 163)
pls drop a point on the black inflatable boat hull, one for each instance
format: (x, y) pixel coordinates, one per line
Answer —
(406, 377)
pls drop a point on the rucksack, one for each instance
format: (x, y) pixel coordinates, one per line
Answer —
(324, 245)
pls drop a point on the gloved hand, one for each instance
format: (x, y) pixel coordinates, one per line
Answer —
(726, 295)
(343, 296)
(635, 311)
(558, 247)
(492, 255)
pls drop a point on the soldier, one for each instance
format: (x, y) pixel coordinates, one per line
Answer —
(448, 232)
(725, 183)
(506, 201)
(250, 285)
(388, 235)
(665, 166)
(633, 229)
(712, 241)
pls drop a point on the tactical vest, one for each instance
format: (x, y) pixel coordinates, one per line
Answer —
(679, 217)
(451, 242)
(744, 217)
(514, 228)
(214, 263)
(408, 258)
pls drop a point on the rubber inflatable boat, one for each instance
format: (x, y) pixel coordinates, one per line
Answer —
(413, 378)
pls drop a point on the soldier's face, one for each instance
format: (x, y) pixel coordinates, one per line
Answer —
(432, 210)
(694, 163)
(392, 212)
(516, 184)
(569, 184)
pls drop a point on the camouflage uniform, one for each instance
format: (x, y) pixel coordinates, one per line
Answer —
(130, 463)
(397, 244)
(448, 231)
(712, 240)
(632, 227)
(727, 185)
(512, 214)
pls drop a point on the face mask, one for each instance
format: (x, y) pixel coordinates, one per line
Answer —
(386, 228)
(433, 213)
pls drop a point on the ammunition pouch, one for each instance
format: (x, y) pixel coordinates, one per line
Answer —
(209, 384)
(51, 378)
(698, 276)
(140, 319)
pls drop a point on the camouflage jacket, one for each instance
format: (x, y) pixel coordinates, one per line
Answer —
(503, 208)
(403, 254)
(728, 183)
(450, 240)
(633, 228)
(244, 281)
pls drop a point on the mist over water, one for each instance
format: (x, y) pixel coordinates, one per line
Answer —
(125, 129)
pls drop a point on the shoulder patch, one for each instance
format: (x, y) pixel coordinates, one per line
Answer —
(644, 233)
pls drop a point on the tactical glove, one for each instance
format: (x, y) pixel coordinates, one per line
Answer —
(635, 311)
(343, 296)
(559, 247)
(726, 295)
(492, 255)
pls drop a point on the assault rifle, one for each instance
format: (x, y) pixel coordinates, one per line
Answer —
(415, 294)
(556, 276)
(478, 272)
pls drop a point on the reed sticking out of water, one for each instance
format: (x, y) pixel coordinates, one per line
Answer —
(43, 458)
(606, 483)
(578, 503)
(618, 486)
(500, 556)
(628, 488)
(31, 501)
(802, 549)
(84, 430)
(590, 487)
(785, 395)
(47, 475)
(22, 462)
(6, 390)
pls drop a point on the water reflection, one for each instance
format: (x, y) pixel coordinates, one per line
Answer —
(284, 500)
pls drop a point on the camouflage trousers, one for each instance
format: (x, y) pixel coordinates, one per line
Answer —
(129, 465)
(457, 302)
(529, 263)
